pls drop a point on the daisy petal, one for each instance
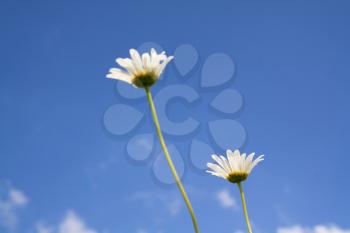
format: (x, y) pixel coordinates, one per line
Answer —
(127, 64)
(226, 164)
(162, 66)
(119, 74)
(146, 61)
(217, 169)
(218, 160)
(136, 59)
(216, 174)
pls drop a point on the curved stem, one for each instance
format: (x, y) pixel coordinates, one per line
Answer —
(169, 160)
(244, 207)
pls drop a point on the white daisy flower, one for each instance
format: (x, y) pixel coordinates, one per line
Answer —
(235, 168)
(140, 70)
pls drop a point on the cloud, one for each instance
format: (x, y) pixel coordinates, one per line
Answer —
(293, 229)
(225, 199)
(239, 231)
(141, 230)
(315, 229)
(174, 206)
(11, 201)
(18, 198)
(173, 203)
(71, 223)
(41, 228)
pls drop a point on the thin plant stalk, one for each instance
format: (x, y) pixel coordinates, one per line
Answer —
(244, 207)
(169, 160)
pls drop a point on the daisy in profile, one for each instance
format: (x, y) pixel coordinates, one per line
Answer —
(236, 169)
(140, 70)
(143, 71)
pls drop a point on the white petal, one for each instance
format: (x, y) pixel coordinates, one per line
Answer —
(235, 160)
(120, 75)
(232, 160)
(127, 64)
(260, 158)
(248, 161)
(162, 56)
(255, 162)
(236, 153)
(136, 60)
(146, 61)
(242, 162)
(162, 66)
(217, 169)
(218, 160)
(153, 53)
(226, 164)
(250, 157)
(216, 174)
(154, 58)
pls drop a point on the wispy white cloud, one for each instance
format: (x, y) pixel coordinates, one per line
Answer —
(225, 199)
(315, 229)
(71, 223)
(18, 198)
(141, 230)
(175, 206)
(42, 228)
(11, 201)
(173, 203)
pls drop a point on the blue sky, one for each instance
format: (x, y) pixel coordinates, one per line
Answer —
(63, 171)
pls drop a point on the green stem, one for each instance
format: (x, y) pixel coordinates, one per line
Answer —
(244, 207)
(169, 160)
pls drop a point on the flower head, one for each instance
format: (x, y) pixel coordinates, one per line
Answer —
(235, 168)
(140, 70)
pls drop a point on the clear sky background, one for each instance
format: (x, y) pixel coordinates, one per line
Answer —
(61, 171)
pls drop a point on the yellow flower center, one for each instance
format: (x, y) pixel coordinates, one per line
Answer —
(236, 177)
(144, 80)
